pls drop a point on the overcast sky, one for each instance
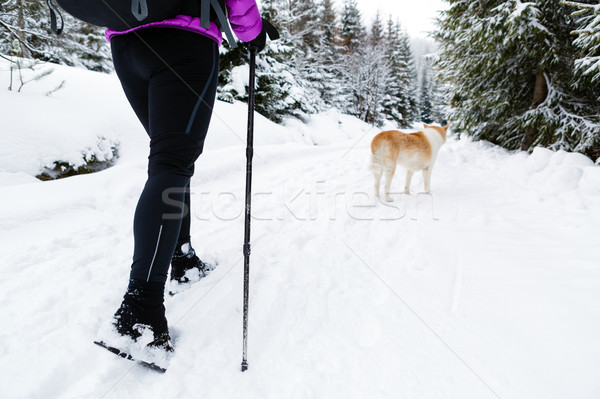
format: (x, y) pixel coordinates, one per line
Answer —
(415, 15)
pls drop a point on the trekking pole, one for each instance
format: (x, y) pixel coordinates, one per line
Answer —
(273, 34)
(249, 155)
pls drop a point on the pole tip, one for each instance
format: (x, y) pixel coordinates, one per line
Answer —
(244, 366)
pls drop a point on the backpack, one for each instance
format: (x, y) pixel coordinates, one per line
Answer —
(126, 14)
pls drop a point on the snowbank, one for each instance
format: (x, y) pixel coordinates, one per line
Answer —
(78, 122)
(557, 173)
(328, 127)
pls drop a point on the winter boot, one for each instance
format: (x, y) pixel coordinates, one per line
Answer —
(143, 309)
(184, 260)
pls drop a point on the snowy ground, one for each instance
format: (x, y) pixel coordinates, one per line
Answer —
(487, 289)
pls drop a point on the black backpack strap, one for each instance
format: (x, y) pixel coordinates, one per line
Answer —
(53, 20)
(205, 19)
(205, 13)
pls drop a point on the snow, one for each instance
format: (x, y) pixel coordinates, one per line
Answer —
(488, 288)
(43, 129)
(239, 79)
(539, 159)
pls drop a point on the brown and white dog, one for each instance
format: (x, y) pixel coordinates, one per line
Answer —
(414, 151)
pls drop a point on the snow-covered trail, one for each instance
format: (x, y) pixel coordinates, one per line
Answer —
(489, 288)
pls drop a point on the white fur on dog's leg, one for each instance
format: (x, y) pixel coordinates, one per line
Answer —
(377, 172)
(389, 175)
(377, 190)
(427, 178)
(409, 175)
(377, 177)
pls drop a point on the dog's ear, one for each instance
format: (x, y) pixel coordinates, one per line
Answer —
(427, 126)
(446, 127)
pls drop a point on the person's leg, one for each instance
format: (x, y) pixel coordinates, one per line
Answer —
(143, 303)
(184, 231)
(186, 266)
(134, 83)
(181, 99)
(197, 119)
(180, 69)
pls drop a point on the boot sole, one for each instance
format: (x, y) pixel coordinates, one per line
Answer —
(125, 355)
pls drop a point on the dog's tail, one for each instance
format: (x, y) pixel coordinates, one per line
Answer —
(377, 151)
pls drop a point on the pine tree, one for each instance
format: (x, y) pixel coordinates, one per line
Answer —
(431, 104)
(372, 75)
(392, 101)
(353, 32)
(371, 72)
(438, 105)
(281, 86)
(327, 20)
(308, 39)
(399, 103)
(303, 27)
(407, 77)
(376, 38)
(588, 40)
(328, 52)
(27, 22)
(366, 71)
(425, 104)
(354, 98)
(511, 71)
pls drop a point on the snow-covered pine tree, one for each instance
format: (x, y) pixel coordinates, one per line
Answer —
(353, 33)
(358, 60)
(425, 104)
(511, 70)
(588, 31)
(439, 108)
(280, 88)
(328, 51)
(432, 107)
(27, 21)
(374, 76)
(377, 36)
(302, 23)
(392, 102)
(366, 67)
(399, 102)
(278, 92)
(307, 36)
(407, 75)
(328, 21)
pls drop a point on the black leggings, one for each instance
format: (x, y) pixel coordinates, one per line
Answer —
(170, 79)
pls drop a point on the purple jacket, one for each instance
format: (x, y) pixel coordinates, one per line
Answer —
(243, 15)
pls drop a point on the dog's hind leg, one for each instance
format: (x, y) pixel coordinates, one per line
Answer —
(427, 178)
(409, 175)
(377, 168)
(390, 169)
(377, 175)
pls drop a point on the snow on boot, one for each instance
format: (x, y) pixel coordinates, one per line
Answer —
(186, 268)
(139, 329)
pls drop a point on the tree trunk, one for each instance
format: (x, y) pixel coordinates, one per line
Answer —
(540, 92)
(25, 53)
